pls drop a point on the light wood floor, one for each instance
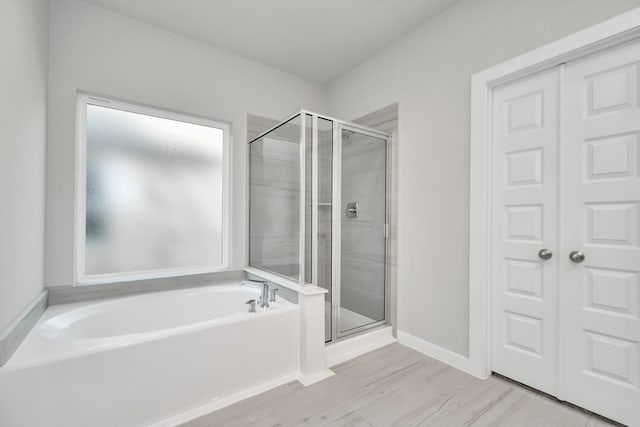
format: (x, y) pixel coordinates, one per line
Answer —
(396, 386)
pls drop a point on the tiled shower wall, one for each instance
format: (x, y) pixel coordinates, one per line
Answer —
(362, 271)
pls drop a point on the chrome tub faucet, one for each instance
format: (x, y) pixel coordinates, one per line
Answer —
(264, 297)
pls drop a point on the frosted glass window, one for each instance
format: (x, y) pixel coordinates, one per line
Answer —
(155, 196)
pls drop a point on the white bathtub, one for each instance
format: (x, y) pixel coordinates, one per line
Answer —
(149, 359)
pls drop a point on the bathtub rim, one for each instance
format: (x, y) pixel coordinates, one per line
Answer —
(13, 364)
(86, 310)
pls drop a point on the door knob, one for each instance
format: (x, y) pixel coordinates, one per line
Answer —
(576, 256)
(545, 254)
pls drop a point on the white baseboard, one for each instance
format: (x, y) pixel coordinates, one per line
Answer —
(336, 353)
(225, 401)
(436, 352)
(348, 349)
(307, 380)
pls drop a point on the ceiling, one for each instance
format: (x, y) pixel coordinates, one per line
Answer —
(315, 39)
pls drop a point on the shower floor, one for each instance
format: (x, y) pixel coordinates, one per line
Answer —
(348, 319)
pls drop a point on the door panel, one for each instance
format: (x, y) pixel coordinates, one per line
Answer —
(362, 219)
(525, 139)
(602, 195)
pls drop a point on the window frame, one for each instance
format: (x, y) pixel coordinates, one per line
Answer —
(80, 277)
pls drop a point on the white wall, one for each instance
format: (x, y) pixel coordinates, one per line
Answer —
(23, 99)
(428, 73)
(104, 53)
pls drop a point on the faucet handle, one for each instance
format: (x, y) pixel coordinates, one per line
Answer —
(252, 305)
(272, 297)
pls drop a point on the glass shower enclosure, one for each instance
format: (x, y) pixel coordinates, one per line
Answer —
(318, 214)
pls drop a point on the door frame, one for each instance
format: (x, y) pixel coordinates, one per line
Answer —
(601, 36)
(336, 223)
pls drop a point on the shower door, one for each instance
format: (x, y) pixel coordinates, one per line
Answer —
(360, 219)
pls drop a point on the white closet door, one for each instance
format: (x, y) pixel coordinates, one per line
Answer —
(525, 143)
(601, 295)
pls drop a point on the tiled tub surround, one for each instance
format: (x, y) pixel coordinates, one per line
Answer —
(72, 294)
(17, 330)
(150, 359)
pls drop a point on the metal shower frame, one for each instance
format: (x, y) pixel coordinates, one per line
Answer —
(336, 211)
